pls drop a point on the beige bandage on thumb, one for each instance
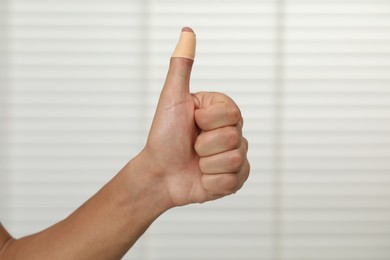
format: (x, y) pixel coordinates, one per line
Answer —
(186, 46)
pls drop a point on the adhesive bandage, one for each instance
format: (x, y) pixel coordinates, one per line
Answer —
(185, 48)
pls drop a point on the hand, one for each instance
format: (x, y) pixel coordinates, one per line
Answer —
(195, 148)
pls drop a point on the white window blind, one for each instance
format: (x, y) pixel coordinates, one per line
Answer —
(79, 85)
(334, 172)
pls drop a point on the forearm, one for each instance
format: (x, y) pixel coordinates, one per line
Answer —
(104, 227)
(195, 153)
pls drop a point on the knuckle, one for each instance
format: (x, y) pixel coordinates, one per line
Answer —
(232, 137)
(246, 143)
(237, 160)
(231, 183)
(244, 176)
(246, 171)
(234, 113)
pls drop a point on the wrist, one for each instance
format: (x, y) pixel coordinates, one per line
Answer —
(145, 188)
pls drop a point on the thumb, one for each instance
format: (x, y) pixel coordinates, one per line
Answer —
(178, 79)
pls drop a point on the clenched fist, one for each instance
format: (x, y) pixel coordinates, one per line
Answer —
(195, 153)
(195, 147)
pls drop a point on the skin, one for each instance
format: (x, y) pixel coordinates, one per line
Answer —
(195, 153)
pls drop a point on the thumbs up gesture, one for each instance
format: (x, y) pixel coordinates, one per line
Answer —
(195, 149)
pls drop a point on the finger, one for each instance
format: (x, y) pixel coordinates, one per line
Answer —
(230, 161)
(226, 183)
(219, 140)
(220, 184)
(218, 115)
(243, 175)
(186, 45)
(178, 77)
(245, 141)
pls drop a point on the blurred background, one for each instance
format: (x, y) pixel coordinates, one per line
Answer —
(79, 82)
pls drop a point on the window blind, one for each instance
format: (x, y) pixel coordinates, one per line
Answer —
(80, 81)
(334, 133)
(3, 108)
